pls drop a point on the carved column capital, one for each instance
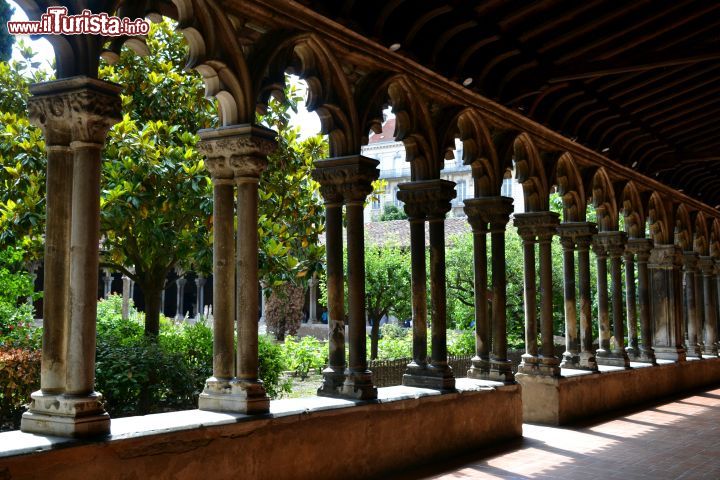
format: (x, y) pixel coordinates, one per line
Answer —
(706, 265)
(542, 225)
(427, 198)
(665, 257)
(237, 151)
(346, 179)
(488, 213)
(80, 109)
(613, 242)
(690, 261)
(640, 247)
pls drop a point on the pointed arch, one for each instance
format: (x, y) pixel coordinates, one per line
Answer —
(530, 172)
(701, 239)
(714, 243)
(659, 221)
(329, 94)
(633, 212)
(603, 199)
(683, 228)
(570, 187)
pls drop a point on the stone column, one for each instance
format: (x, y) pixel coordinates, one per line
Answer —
(689, 262)
(717, 300)
(428, 199)
(614, 245)
(602, 295)
(237, 155)
(180, 283)
(571, 356)
(549, 363)
(583, 239)
(312, 307)
(707, 266)
(540, 225)
(85, 108)
(666, 301)
(641, 247)
(350, 179)
(125, 297)
(107, 282)
(330, 180)
(200, 287)
(358, 379)
(633, 348)
(263, 300)
(475, 211)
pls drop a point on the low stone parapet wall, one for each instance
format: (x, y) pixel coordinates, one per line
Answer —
(581, 395)
(313, 438)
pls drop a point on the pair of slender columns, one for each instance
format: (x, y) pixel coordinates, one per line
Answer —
(691, 313)
(538, 227)
(75, 115)
(346, 180)
(611, 244)
(639, 249)
(665, 264)
(706, 265)
(490, 215)
(236, 157)
(428, 200)
(577, 236)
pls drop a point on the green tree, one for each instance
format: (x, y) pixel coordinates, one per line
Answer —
(392, 212)
(387, 287)
(156, 206)
(291, 217)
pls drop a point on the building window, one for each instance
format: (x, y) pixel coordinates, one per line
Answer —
(507, 187)
(461, 191)
(376, 202)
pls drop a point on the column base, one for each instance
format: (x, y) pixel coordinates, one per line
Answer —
(570, 360)
(632, 352)
(66, 416)
(615, 359)
(588, 362)
(710, 351)
(480, 368)
(358, 386)
(675, 354)
(233, 395)
(501, 371)
(695, 351)
(333, 380)
(433, 377)
(646, 356)
(529, 364)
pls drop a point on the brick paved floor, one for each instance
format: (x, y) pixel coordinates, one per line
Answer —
(678, 439)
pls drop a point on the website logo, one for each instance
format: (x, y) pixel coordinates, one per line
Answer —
(57, 22)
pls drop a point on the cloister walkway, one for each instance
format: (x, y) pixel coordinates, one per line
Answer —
(676, 439)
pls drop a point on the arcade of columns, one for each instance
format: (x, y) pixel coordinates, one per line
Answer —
(677, 264)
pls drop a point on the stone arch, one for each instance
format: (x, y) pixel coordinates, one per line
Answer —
(683, 228)
(701, 239)
(530, 172)
(658, 220)
(714, 238)
(329, 94)
(478, 150)
(413, 123)
(571, 189)
(633, 212)
(603, 199)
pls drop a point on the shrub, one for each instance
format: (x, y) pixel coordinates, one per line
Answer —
(16, 315)
(19, 377)
(461, 342)
(283, 309)
(272, 366)
(304, 355)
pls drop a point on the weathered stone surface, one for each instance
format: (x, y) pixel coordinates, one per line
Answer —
(229, 445)
(557, 401)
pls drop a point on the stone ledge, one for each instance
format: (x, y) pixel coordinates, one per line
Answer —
(581, 394)
(315, 437)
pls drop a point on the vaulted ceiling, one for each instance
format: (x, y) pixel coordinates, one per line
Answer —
(635, 80)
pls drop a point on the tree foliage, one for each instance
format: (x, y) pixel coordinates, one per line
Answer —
(6, 40)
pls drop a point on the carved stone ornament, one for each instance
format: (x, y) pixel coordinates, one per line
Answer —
(346, 178)
(665, 257)
(612, 242)
(536, 224)
(577, 230)
(488, 211)
(75, 109)
(706, 265)
(237, 151)
(690, 261)
(427, 198)
(640, 247)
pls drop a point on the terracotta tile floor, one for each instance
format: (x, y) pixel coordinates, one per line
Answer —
(679, 439)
